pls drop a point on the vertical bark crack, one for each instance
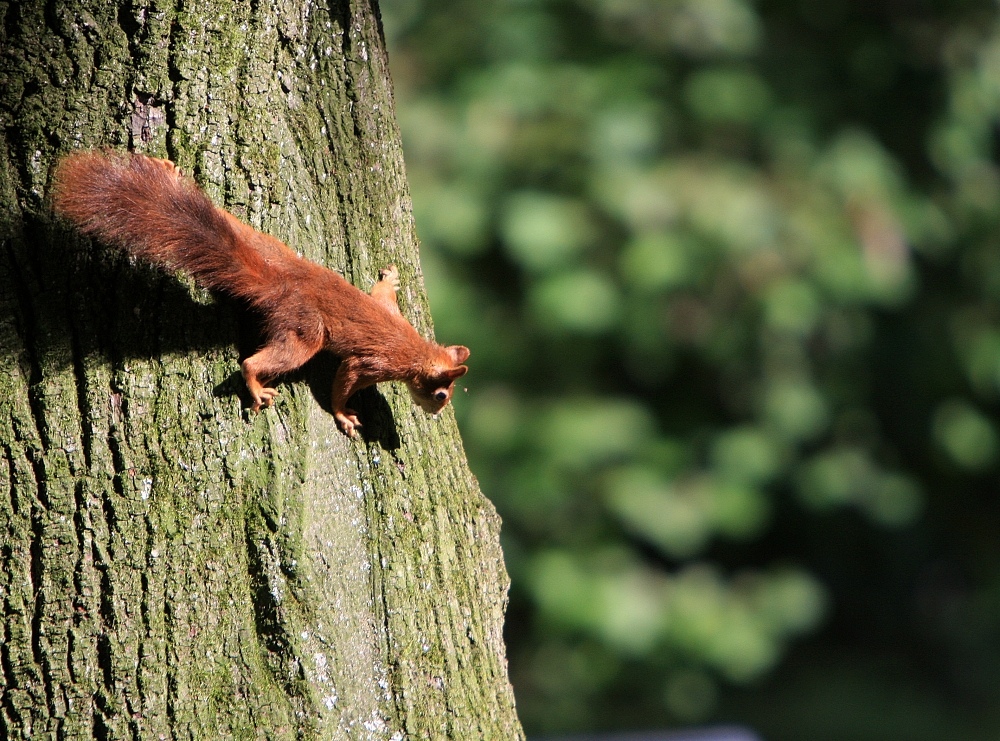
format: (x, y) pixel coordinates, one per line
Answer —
(10, 679)
(103, 696)
(267, 618)
(170, 654)
(82, 397)
(36, 572)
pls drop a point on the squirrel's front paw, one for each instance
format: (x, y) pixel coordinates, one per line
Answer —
(263, 398)
(348, 421)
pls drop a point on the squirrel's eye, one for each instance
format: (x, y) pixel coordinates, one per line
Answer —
(441, 395)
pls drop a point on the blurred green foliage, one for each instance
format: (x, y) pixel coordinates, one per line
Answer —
(730, 272)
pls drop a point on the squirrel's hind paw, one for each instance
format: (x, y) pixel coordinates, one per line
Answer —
(391, 275)
(167, 165)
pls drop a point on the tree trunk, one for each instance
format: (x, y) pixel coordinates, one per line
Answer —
(172, 565)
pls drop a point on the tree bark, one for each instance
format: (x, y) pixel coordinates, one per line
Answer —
(173, 566)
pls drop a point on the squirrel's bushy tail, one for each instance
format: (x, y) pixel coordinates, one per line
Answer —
(146, 207)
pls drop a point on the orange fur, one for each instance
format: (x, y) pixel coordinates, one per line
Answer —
(146, 207)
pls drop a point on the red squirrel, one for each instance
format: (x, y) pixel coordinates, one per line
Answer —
(148, 208)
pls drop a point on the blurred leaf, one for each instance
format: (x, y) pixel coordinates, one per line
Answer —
(675, 516)
(849, 476)
(791, 601)
(700, 27)
(607, 593)
(657, 261)
(632, 602)
(562, 588)
(626, 133)
(792, 306)
(705, 26)
(727, 95)
(454, 217)
(860, 168)
(739, 510)
(835, 478)
(796, 409)
(967, 436)
(542, 231)
(895, 502)
(978, 344)
(495, 417)
(586, 432)
(581, 301)
(746, 454)
(729, 204)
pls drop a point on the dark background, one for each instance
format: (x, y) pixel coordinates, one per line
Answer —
(730, 275)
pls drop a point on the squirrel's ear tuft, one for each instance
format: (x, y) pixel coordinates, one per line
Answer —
(458, 353)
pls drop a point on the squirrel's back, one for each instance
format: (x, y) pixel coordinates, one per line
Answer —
(146, 207)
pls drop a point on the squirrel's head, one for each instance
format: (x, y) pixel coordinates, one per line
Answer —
(432, 389)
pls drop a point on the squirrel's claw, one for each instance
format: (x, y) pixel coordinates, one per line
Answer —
(348, 421)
